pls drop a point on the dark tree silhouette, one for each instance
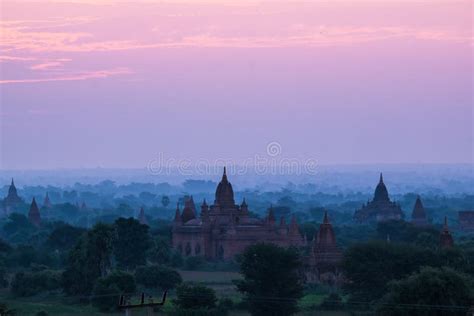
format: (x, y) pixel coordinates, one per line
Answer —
(272, 281)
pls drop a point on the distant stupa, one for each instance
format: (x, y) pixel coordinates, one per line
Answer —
(34, 215)
(12, 200)
(418, 216)
(47, 201)
(445, 239)
(141, 217)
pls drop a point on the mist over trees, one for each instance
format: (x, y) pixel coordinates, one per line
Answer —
(92, 243)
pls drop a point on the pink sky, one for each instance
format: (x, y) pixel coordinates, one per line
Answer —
(88, 83)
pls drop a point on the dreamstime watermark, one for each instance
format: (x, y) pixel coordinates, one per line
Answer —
(270, 163)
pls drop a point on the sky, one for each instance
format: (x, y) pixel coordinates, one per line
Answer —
(116, 84)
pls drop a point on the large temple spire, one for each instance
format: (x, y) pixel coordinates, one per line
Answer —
(12, 200)
(381, 192)
(12, 191)
(225, 193)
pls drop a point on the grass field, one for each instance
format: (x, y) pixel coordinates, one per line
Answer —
(209, 277)
(51, 305)
(221, 282)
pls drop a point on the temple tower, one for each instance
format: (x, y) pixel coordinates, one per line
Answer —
(381, 192)
(325, 255)
(189, 211)
(271, 217)
(34, 214)
(418, 216)
(141, 217)
(47, 201)
(225, 193)
(12, 200)
(445, 239)
(178, 221)
(380, 208)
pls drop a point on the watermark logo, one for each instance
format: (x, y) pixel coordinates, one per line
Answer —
(271, 163)
(273, 149)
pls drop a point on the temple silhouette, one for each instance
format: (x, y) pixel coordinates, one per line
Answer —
(381, 208)
(225, 229)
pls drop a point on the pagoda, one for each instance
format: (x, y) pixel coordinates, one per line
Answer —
(225, 229)
(418, 216)
(326, 256)
(141, 217)
(380, 209)
(445, 239)
(189, 211)
(12, 200)
(34, 215)
(47, 201)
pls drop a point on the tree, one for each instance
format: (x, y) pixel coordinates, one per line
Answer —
(189, 296)
(32, 283)
(406, 232)
(432, 291)
(371, 266)
(132, 243)
(88, 260)
(272, 281)
(107, 290)
(147, 197)
(3, 278)
(332, 302)
(156, 276)
(4, 247)
(160, 251)
(18, 223)
(165, 200)
(193, 263)
(5, 311)
(64, 237)
(25, 256)
(176, 259)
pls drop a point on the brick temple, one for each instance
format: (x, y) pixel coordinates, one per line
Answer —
(225, 229)
(381, 208)
(12, 201)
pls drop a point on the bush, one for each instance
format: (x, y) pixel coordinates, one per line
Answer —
(5, 311)
(193, 263)
(3, 278)
(197, 312)
(225, 304)
(156, 276)
(431, 288)
(332, 302)
(176, 260)
(191, 296)
(161, 252)
(31, 283)
(107, 290)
